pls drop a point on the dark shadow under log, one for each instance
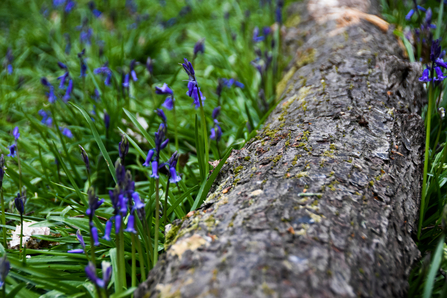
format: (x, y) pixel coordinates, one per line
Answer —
(324, 201)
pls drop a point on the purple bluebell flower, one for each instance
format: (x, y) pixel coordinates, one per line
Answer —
(425, 76)
(154, 169)
(150, 154)
(439, 75)
(90, 271)
(230, 82)
(194, 95)
(441, 63)
(106, 120)
(70, 4)
(12, 150)
(164, 90)
(86, 35)
(266, 30)
(81, 241)
(8, 61)
(215, 113)
(51, 96)
(95, 237)
(169, 103)
(105, 71)
(122, 203)
(95, 12)
(187, 66)
(16, 133)
(5, 266)
(108, 230)
(19, 202)
(137, 201)
(126, 80)
(436, 50)
(67, 132)
(132, 70)
(199, 47)
(216, 133)
(83, 65)
(46, 119)
(93, 202)
(63, 78)
(172, 164)
(256, 38)
(123, 147)
(162, 115)
(2, 167)
(85, 158)
(131, 224)
(117, 224)
(239, 84)
(409, 15)
(278, 11)
(96, 96)
(68, 91)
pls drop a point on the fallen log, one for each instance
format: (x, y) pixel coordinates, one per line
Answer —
(324, 201)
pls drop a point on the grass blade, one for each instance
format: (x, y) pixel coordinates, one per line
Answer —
(434, 266)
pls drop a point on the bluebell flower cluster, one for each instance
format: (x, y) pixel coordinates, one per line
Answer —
(63, 80)
(85, 158)
(131, 73)
(193, 88)
(51, 95)
(105, 71)
(435, 71)
(256, 38)
(46, 118)
(66, 132)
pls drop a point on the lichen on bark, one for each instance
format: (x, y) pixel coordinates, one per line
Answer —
(324, 201)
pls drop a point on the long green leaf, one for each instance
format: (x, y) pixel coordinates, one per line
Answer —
(434, 266)
(206, 185)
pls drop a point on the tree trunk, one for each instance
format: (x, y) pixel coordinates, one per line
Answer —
(324, 201)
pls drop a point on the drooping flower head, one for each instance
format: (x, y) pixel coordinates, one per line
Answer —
(199, 47)
(162, 115)
(19, 202)
(12, 150)
(93, 202)
(187, 66)
(169, 103)
(68, 91)
(123, 147)
(92, 7)
(67, 132)
(16, 133)
(412, 11)
(195, 96)
(164, 90)
(216, 131)
(46, 118)
(81, 241)
(172, 164)
(85, 158)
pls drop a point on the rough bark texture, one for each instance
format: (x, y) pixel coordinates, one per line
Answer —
(324, 201)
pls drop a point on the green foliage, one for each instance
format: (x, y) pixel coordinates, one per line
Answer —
(39, 34)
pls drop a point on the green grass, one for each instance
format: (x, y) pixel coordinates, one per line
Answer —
(53, 173)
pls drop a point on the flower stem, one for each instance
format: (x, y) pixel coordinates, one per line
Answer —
(134, 262)
(140, 259)
(175, 125)
(157, 219)
(122, 259)
(427, 149)
(165, 209)
(21, 234)
(92, 248)
(118, 282)
(204, 132)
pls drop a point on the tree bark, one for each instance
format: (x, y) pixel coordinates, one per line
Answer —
(324, 201)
